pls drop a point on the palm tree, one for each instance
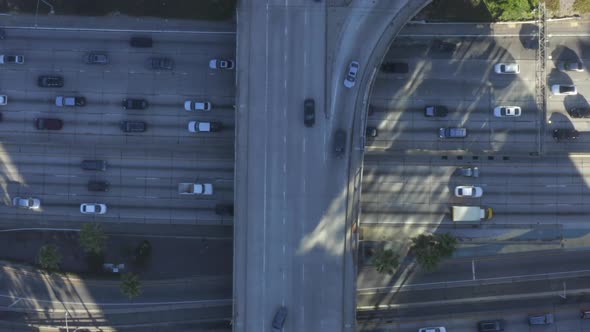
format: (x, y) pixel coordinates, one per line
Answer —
(130, 285)
(386, 261)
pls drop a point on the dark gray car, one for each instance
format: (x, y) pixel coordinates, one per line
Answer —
(98, 186)
(279, 319)
(94, 165)
(452, 132)
(339, 142)
(133, 126)
(542, 319)
(161, 63)
(490, 326)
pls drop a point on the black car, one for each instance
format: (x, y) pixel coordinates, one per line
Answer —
(98, 186)
(142, 42)
(309, 112)
(371, 132)
(133, 126)
(565, 134)
(445, 47)
(161, 63)
(579, 112)
(48, 124)
(50, 81)
(490, 326)
(435, 111)
(224, 209)
(394, 67)
(339, 142)
(94, 165)
(134, 104)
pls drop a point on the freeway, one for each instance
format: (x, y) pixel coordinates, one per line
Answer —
(295, 201)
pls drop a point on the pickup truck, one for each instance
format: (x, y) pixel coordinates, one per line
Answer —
(195, 188)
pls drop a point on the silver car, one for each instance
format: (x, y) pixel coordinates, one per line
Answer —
(93, 208)
(350, 79)
(27, 203)
(96, 58)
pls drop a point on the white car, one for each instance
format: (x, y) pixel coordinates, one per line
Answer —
(570, 66)
(564, 89)
(93, 208)
(12, 59)
(221, 64)
(3, 100)
(432, 329)
(203, 126)
(507, 68)
(507, 111)
(350, 79)
(190, 105)
(26, 203)
(468, 191)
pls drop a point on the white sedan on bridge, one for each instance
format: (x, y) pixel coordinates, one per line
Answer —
(468, 191)
(507, 111)
(350, 79)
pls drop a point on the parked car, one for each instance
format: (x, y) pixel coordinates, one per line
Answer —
(96, 58)
(469, 171)
(433, 329)
(564, 89)
(133, 126)
(371, 132)
(452, 132)
(565, 134)
(3, 99)
(221, 64)
(395, 67)
(279, 319)
(224, 209)
(468, 191)
(442, 46)
(191, 105)
(161, 63)
(48, 124)
(507, 68)
(309, 112)
(26, 203)
(541, 319)
(350, 79)
(69, 101)
(496, 325)
(94, 165)
(141, 42)
(435, 111)
(339, 142)
(113, 268)
(507, 111)
(585, 314)
(12, 59)
(98, 186)
(50, 81)
(579, 112)
(134, 104)
(204, 126)
(570, 66)
(93, 208)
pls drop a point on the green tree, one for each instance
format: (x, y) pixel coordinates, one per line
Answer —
(582, 6)
(130, 285)
(92, 238)
(511, 10)
(386, 261)
(431, 249)
(143, 252)
(49, 258)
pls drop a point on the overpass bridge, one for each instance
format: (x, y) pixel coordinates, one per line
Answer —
(296, 204)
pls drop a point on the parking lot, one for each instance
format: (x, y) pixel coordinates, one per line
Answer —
(144, 168)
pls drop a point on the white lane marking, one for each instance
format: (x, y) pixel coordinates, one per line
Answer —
(194, 32)
(507, 278)
(65, 176)
(146, 197)
(473, 268)
(65, 194)
(555, 186)
(146, 178)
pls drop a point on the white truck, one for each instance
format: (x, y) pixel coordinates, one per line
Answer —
(195, 188)
(471, 213)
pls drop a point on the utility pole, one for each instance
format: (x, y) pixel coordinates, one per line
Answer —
(540, 76)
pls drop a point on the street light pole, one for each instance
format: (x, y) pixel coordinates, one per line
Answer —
(67, 329)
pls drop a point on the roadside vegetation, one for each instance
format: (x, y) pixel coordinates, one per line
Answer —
(495, 10)
(431, 249)
(49, 258)
(386, 261)
(171, 9)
